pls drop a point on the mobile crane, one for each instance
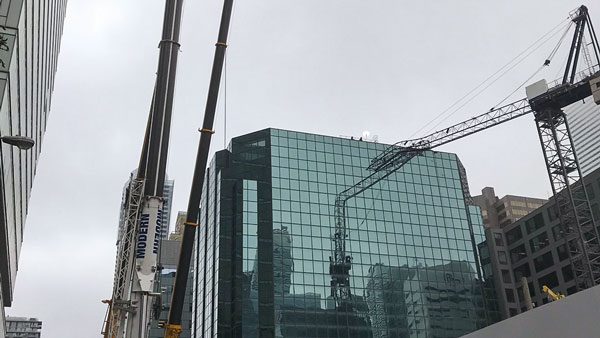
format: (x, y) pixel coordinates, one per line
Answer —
(136, 265)
(561, 162)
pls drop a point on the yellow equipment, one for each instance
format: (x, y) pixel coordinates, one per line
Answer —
(551, 294)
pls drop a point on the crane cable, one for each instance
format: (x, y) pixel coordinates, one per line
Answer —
(545, 64)
(550, 33)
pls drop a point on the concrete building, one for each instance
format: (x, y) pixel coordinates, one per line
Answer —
(30, 37)
(500, 212)
(177, 233)
(23, 327)
(532, 247)
(261, 266)
(169, 256)
(584, 123)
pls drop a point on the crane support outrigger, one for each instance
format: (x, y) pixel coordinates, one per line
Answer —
(561, 161)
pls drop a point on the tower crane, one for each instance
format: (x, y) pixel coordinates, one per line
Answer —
(561, 162)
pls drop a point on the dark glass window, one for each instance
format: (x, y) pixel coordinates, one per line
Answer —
(550, 280)
(531, 289)
(562, 252)
(513, 312)
(590, 191)
(543, 262)
(534, 223)
(595, 212)
(502, 257)
(552, 213)
(557, 232)
(506, 276)
(510, 295)
(498, 239)
(567, 272)
(522, 271)
(518, 253)
(539, 242)
(571, 290)
(514, 235)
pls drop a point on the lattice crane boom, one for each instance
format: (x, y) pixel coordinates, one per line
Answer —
(388, 162)
(561, 161)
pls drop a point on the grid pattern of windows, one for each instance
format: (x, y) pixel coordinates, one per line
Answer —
(411, 239)
(408, 237)
(31, 33)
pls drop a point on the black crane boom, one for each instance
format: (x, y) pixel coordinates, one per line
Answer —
(173, 327)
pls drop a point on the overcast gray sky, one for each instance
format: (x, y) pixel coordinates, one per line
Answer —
(327, 67)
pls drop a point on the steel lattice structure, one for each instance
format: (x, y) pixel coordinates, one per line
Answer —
(120, 305)
(561, 161)
(570, 196)
(388, 162)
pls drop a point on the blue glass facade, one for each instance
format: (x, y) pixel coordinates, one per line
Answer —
(265, 243)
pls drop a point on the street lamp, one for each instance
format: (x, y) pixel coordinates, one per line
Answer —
(22, 142)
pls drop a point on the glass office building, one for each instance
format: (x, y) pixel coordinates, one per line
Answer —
(30, 33)
(264, 243)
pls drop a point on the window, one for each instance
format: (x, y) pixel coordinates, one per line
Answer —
(514, 235)
(518, 204)
(552, 213)
(510, 295)
(502, 257)
(595, 212)
(522, 271)
(498, 239)
(562, 252)
(539, 242)
(531, 289)
(557, 232)
(518, 253)
(543, 262)
(534, 223)
(550, 280)
(520, 212)
(513, 312)
(567, 272)
(590, 191)
(506, 276)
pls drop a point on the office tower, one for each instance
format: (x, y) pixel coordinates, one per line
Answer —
(584, 123)
(30, 33)
(166, 215)
(533, 247)
(169, 256)
(23, 327)
(500, 212)
(177, 234)
(262, 260)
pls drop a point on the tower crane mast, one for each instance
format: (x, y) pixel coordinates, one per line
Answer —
(561, 161)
